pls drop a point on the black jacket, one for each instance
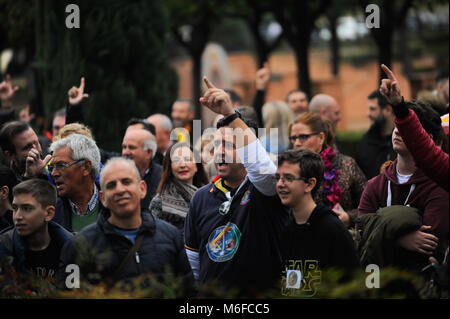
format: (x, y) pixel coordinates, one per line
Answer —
(99, 250)
(373, 151)
(152, 179)
(12, 244)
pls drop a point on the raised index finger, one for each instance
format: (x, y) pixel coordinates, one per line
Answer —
(208, 84)
(82, 83)
(388, 72)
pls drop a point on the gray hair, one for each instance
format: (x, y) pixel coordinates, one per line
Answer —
(164, 121)
(150, 143)
(113, 160)
(319, 102)
(82, 147)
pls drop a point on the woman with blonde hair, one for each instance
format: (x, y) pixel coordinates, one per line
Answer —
(344, 181)
(276, 115)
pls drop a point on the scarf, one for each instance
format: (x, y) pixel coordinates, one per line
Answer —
(176, 198)
(331, 191)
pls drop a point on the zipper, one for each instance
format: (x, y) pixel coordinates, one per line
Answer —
(137, 258)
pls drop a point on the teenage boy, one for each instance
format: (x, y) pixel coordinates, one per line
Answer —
(35, 241)
(315, 239)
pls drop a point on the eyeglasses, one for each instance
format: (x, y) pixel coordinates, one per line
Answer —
(62, 166)
(301, 137)
(289, 179)
(225, 206)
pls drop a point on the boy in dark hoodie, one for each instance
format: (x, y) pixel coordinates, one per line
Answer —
(315, 239)
(402, 183)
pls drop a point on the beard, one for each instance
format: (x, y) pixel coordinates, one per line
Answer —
(379, 122)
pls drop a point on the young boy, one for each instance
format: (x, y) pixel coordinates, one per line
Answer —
(315, 239)
(34, 242)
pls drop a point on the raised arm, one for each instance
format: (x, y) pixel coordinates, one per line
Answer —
(74, 111)
(427, 155)
(261, 81)
(257, 162)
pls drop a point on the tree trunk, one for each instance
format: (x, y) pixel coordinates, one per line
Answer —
(301, 55)
(384, 42)
(334, 46)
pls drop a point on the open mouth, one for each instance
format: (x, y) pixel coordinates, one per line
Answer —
(59, 185)
(283, 194)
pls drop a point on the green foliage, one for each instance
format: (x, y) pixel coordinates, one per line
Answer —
(119, 49)
(16, 23)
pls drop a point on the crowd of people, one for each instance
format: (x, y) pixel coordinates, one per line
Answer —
(243, 208)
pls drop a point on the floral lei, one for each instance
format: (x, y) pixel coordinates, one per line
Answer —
(331, 189)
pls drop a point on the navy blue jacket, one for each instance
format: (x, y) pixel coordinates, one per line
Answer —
(241, 248)
(152, 179)
(63, 213)
(99, 250)
(12, 244)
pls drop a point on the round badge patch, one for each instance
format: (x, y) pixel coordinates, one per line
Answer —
(223, 243)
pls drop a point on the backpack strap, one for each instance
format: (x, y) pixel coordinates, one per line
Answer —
(132, 252)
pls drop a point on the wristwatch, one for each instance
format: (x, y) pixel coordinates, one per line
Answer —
(230, 118)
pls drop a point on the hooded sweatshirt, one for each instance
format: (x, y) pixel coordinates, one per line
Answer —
(424, 194)
(308, 249)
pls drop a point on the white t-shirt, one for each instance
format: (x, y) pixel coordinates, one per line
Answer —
(402, 179)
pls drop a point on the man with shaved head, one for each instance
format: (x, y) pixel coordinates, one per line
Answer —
(127, 241)
(139, 145)
(328, 109)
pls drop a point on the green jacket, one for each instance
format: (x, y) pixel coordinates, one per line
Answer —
(380, 231)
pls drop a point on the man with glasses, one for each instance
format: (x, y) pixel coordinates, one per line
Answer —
(234, 224)
(315, 238)
(74, 167)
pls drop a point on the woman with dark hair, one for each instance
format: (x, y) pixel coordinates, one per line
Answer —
(343, 181)
(181, 177)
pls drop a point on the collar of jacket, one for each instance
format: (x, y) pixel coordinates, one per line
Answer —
(218, 188)
(390, 172)
(57, 233)
(148, 222)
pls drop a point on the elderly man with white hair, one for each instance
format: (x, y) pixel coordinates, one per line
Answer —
(139, 145)
(74, 167)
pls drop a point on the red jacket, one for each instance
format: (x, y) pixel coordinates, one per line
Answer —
(428, 197)
(428, 157)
